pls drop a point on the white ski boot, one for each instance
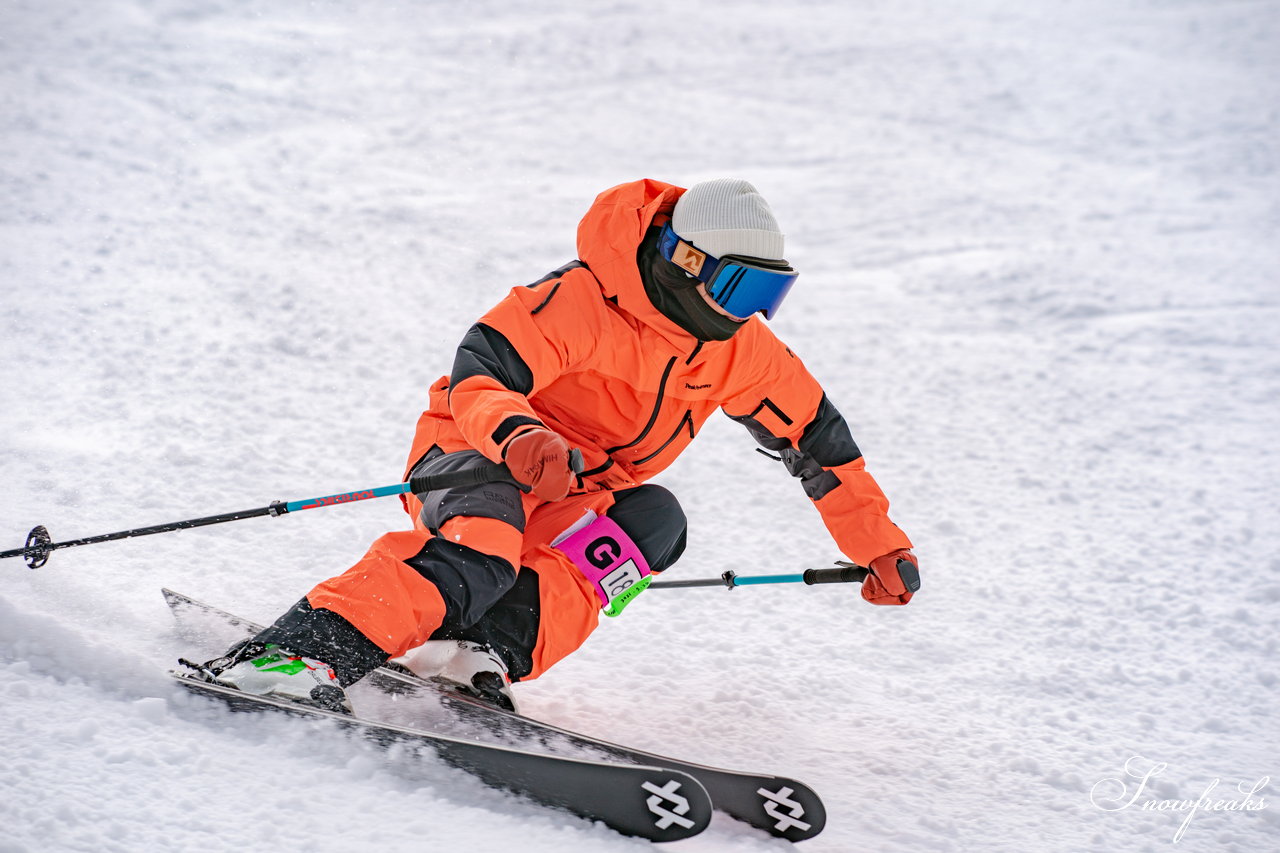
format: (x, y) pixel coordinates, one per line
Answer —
(476, 669)
(268, 670)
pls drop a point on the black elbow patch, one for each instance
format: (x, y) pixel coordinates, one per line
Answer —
(486, 352)
(827, 438)
(826, 443)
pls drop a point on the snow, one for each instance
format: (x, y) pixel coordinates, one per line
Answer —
(238, 240)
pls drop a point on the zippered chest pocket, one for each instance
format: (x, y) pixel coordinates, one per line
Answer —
(685, 425)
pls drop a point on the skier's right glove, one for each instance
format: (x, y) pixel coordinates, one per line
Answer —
(889, 583)
(539, 458)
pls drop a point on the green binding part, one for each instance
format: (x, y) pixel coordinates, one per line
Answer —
(618, 603)
(276, 662)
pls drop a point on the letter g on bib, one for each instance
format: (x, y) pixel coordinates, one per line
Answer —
(607, 557)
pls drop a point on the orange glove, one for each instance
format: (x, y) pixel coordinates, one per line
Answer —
(887, 583)
(539, 459)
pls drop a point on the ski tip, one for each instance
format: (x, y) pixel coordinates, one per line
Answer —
(674, 806)
(792, 810)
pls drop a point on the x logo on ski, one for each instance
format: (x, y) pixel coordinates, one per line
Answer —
(782, 798)
(667, 793)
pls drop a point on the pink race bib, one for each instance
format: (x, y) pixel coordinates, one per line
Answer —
(607, 558)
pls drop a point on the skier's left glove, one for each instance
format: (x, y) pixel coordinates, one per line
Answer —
(892, 582)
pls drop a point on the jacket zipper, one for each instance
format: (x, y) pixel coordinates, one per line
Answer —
(653, 419)
(687, 420)
(653, 416)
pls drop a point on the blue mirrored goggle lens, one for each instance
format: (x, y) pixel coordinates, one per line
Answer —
(742, 290)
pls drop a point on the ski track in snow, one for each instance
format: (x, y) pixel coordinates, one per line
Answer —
(239, 239)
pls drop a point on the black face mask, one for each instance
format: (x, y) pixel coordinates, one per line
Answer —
(674, 293)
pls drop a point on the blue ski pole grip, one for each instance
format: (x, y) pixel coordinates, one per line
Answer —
(846, 573)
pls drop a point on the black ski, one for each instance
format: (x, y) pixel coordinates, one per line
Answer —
(780, 806)
(649, 802)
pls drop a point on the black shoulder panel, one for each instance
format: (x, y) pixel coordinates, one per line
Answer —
(555, 275)
(486, 352)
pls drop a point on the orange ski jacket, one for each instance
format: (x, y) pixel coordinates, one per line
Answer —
(585, 353)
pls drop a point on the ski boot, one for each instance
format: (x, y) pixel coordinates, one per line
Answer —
(265, 669)
(474, 669)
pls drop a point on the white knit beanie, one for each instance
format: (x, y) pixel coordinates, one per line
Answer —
(727, 217)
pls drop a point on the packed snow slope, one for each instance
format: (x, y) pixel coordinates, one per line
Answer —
(1039, 276)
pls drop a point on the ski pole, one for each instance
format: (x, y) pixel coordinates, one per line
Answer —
(40, 544)
(844, 573)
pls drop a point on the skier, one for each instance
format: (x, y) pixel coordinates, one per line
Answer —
(619, 356)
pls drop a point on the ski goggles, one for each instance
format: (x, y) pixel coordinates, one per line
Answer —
(741, 286)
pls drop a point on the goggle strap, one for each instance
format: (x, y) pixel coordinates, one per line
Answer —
(686, 256)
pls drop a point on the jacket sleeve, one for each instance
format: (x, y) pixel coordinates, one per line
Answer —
(519, 347)
(789, 414)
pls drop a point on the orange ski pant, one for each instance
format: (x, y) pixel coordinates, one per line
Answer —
(398, 608)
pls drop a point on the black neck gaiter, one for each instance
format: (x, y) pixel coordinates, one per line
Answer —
(675, 294)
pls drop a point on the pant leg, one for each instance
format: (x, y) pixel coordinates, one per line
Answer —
(457, 562)
(552, 609)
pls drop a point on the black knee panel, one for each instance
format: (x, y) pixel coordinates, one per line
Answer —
(469, 581)
(654, 520)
